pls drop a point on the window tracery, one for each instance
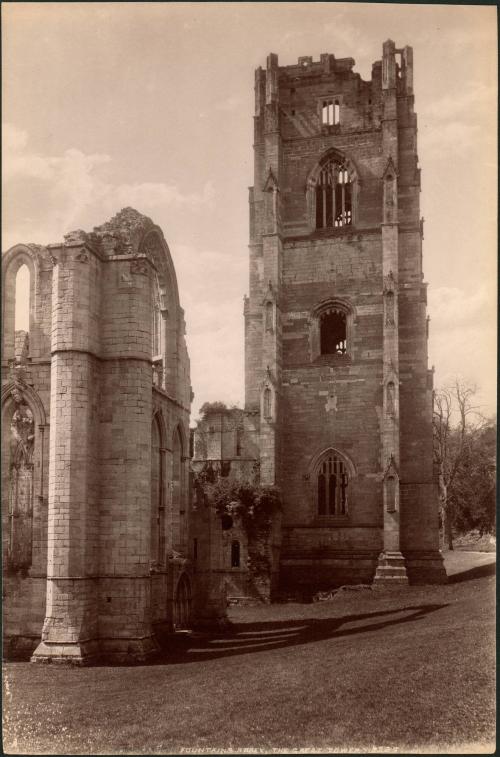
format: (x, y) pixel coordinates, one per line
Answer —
(333, 196)
(332, 481)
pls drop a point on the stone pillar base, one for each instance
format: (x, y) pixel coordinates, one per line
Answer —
(391, 569)
(71, 653)
(115, 651)
(128, 651)
(425, 567)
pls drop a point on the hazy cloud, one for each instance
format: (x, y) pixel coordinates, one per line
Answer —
(74, 185)
(463, 337)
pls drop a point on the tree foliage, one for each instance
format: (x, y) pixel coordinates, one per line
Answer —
(464, 455)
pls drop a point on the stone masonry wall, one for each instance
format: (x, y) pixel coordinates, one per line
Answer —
(339, 402)
(90, 365)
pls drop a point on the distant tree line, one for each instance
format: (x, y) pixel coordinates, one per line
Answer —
(465, 460)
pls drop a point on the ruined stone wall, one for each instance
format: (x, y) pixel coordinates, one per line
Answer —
(25, 449)
(109, 551)
(227, 444)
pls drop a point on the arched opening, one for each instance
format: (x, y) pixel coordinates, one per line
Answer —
(157, 337)
(18, 441)
(332, 481)
(336, 115)
(22, 312)
(182, 604)
(18, 302)
(178, 504)
(333, 195)
(235, 554)
(333, 333)
(22, 294)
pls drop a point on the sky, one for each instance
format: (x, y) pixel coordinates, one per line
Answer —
(150, 105)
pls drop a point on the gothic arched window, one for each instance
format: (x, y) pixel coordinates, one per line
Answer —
(19, 272)
(333, 196)
(333, 332)
(157, 494)
(157, 337)
(332, 481)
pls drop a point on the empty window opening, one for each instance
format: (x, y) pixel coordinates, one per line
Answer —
(333, 196)
(293, 112)
(330, 112)
(333, 333)
(156, 330)
(22, 313)
(398, 60)
(332, 482)
(235, 554)
(336, 115)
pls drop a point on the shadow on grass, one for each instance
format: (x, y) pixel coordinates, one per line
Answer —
(479, 571)
(248, 638)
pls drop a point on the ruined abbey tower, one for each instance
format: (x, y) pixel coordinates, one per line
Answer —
(336, 325)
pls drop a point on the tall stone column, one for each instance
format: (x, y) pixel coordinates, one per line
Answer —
(391, 564)
(70, 631)
(125, 618)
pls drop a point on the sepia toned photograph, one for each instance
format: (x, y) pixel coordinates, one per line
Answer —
(249, 378)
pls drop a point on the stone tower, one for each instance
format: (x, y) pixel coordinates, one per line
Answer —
(335, 322)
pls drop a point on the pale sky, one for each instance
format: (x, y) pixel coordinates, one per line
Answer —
(107, 105)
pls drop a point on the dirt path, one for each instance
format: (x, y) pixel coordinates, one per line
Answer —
(459, 561)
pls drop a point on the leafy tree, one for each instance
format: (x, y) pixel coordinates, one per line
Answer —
(464, 455)
(472, 493)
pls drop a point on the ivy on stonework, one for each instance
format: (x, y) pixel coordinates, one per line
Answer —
(253, 504)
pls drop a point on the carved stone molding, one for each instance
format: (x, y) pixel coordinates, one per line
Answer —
(140, 266)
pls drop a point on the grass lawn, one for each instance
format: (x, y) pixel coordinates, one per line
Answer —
(371, 670)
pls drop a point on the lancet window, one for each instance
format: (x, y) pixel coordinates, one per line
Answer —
(332, 485)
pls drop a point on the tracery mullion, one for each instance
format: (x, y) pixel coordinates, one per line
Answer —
(323, 190)
(334, 181)
(343, 195)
